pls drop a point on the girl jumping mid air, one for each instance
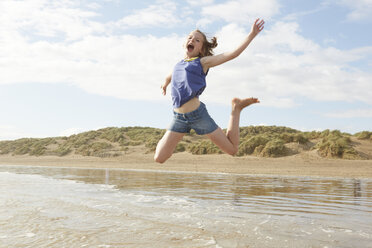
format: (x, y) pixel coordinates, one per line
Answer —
(188, 82)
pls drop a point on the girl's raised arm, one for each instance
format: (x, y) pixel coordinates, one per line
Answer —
(211, 61)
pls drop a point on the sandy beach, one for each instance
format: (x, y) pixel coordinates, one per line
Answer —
(307, 163)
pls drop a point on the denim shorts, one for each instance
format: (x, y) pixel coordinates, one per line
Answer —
(199, 120)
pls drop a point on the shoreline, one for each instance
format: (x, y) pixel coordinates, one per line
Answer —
(303, 165)
(189, 172)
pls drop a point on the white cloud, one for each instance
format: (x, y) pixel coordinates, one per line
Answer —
(123, 66)
(94, 5)
(241, 11)
(50, 19)
(200, 2)
(356, 113)
(360, 9)
(160, 14)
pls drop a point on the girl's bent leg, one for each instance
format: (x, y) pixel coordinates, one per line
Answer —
(221, 140)
(229, 142)
(166, 146)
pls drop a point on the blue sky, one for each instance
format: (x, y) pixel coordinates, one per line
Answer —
(72, 66)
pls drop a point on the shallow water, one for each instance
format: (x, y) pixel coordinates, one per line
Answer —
(70, 207)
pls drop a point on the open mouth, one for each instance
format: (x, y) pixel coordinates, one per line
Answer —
(190, 48)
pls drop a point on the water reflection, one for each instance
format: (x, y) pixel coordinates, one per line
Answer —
(357, 188)
(212, 209)
(240, 189)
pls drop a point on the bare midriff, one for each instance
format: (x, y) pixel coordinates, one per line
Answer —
(188, 106)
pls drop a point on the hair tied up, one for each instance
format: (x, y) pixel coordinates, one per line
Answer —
(214, 42)
(208, 46)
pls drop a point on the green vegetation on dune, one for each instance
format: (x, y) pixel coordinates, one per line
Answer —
(365, 135)
(268, 141)
(203, 147)
(265, 141)
(34, 147)
(337, 145)
(253, 144)
(274, 148)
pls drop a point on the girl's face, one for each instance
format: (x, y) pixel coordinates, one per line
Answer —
(194, 44)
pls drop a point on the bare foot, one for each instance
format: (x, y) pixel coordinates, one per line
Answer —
(240, 104)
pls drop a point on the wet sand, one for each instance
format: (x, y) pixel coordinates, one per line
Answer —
(303, 164)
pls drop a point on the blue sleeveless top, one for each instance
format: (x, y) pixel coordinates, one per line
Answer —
(188, 81)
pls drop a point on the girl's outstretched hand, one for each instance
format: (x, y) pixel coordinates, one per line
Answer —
(257, 26)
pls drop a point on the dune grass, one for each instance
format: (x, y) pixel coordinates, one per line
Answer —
(335, 144)
(265, 141)
(365, 135)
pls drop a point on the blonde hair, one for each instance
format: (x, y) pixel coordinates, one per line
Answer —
(207, 49)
